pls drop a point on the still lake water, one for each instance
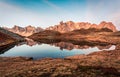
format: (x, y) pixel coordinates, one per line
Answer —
(53, 50)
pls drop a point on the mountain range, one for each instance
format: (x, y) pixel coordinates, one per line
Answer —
(62, 27)
(24, 31)
(70, 26)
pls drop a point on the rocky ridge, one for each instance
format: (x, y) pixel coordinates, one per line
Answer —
(70, 26)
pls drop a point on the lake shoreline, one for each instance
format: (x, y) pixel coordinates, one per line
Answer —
(63, 49)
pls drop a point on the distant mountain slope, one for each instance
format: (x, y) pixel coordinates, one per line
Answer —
(11, 34)
(116, 33)
(24, 31)
(70, 26)
(5, 38)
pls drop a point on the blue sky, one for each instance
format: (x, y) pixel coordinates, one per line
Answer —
(46, 13)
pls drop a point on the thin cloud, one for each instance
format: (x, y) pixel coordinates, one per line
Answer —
(52, 5)
(11, 15)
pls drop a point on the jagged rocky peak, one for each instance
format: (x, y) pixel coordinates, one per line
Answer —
(30, 28)
(70, 26)
(108, 25)
(25, 31)
(61, 23)
(16, 29)
(69, 22)
(33, 29)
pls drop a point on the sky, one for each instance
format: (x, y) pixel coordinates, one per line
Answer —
(45, 13)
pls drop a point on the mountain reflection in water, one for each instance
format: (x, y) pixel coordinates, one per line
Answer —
(38, 50)
(70, 46)
(64, 45)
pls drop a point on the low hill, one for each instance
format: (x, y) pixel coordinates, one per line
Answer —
(46, 36)
(87, 31)
(46, 33)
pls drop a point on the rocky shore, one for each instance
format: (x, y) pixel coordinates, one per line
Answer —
(97, 64)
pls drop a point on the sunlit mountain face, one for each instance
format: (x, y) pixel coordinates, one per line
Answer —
(24, 31)
(64, 27)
